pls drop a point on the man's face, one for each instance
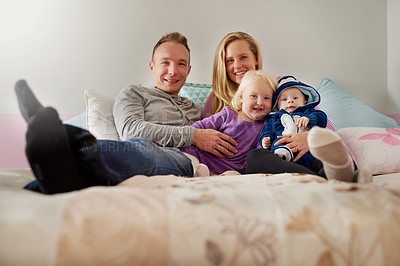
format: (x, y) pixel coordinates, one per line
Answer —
(170, 67)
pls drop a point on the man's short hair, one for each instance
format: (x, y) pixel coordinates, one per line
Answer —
(175, 37)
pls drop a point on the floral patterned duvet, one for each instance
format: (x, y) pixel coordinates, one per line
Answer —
(280, 219)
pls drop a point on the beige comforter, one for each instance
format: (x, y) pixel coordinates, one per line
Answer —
(222, 220)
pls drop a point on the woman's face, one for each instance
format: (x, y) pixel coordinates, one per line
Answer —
(238, 60)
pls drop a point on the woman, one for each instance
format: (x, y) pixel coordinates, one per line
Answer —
(236, 54)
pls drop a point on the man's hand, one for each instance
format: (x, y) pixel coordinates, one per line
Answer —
(214, 142)
(296, 143)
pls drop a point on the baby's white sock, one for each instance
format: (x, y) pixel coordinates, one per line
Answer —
(199, 169)
(328, 147)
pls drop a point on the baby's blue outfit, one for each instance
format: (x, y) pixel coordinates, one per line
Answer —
(274, 127)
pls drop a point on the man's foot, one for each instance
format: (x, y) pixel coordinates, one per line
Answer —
(49, 153)
(28, 104)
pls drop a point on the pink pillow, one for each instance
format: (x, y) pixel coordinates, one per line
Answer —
(376, 148)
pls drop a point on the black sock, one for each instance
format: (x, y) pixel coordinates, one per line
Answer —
(49, 153)
(28, 104)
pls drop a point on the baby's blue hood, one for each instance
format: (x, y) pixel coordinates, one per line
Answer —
(286, 82)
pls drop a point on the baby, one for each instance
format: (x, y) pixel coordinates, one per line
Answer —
(292, 112)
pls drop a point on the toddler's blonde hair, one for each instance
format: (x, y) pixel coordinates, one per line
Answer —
(248, 78)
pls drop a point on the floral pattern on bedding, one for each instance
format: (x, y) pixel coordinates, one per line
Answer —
(284, 222)
(221, 220)
(308, 221)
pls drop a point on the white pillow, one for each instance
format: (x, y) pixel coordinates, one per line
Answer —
(99, 115)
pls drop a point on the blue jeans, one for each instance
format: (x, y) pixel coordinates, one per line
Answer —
(109, 162)
(115, 161)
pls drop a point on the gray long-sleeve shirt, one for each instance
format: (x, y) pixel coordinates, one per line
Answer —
(156, 115)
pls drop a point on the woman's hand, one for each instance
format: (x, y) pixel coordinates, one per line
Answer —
(296, 143)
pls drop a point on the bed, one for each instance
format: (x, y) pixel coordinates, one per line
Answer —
(258, 219)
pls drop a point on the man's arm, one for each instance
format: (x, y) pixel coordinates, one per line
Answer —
(209, 138)
(214, 142)
(141, 112)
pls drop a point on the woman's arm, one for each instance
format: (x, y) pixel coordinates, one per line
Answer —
(207, 107)
(298, 142)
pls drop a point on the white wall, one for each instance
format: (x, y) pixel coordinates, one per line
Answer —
(64, 47)
(393, 18)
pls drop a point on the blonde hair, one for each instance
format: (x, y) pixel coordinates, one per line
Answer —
(223, 87)
(249, 78)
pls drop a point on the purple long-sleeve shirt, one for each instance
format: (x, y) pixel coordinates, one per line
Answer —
(246, 134)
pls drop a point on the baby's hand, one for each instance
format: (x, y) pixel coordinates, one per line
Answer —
(302, 122)
(266, 142)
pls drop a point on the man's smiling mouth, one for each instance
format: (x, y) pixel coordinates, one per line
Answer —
(172, 80)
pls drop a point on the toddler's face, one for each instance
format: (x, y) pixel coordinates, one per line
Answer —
(256, 101)
(290, 99)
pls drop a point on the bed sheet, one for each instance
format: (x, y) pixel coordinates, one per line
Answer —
(284, 219)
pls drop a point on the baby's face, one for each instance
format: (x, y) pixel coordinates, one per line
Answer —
(290, 99)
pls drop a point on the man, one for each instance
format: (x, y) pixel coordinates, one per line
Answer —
(65, 158)
(145, 112)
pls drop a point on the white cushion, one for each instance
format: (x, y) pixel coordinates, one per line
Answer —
(99, 115)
